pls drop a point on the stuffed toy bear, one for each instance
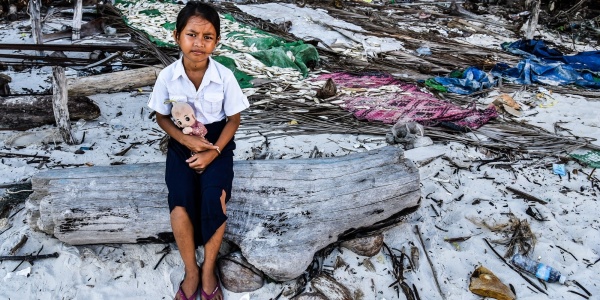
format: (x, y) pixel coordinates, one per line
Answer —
(184, 116)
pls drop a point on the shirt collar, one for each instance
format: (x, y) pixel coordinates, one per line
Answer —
(211, 74)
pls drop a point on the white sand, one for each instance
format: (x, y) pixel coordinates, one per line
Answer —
(126, 271)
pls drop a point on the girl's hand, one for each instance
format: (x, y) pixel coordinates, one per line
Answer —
(197, 144)
(199, 161)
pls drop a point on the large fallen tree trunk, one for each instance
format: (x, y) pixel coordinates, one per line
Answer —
(25, 112)
(281, 211)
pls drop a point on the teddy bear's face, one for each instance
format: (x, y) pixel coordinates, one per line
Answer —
(183, 114)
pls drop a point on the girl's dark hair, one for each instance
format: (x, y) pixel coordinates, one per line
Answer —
(197, 9)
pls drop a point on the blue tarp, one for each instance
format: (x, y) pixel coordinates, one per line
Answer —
(541, 65)
(556, 73)
(470, 81)
(539, 51)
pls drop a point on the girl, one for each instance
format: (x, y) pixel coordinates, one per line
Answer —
(199, 171)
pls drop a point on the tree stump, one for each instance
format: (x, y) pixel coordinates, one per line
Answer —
(281, 211)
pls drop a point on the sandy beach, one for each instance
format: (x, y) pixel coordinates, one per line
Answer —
(465, 191)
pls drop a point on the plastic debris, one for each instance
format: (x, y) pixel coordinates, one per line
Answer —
(423, 51)
(540, 270)
(559, 169)
(25, 272)
(466, 82)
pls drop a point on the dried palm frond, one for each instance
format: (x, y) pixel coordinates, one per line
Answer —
(518, 235)
(514, 137)
(114, 18)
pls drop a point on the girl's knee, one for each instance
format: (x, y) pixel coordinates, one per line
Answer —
(223, 197)
(178, 211)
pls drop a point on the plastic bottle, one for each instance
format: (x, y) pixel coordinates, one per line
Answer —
(540, 270)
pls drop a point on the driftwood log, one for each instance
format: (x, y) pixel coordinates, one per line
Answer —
(25, 112)
(280, 214)
(113, 82)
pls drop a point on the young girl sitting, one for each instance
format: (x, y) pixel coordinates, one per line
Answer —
(197, 200)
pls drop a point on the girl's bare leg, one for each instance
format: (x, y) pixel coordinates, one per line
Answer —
(183, 230)
(211, 250)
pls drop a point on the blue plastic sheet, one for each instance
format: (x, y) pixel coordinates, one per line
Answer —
(541, 64)
(556, 73)
(470, 81)
(539, 51)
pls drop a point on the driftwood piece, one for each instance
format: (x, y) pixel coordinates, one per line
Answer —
(25, 112)
(59, 104)
(77, 14)
(29, 257)
(533, 20)
(433, 270)
(36, 25)
(113, 82)
(281, 211)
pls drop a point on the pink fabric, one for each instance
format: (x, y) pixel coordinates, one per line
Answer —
(198, 129)
(410, 105)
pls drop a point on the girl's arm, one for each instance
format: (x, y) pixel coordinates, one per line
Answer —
(194, 143)
(201, 160)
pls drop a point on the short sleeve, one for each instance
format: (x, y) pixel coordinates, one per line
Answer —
(235, 100)
(159, 95)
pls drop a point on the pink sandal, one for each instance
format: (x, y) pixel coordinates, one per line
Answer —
(182, 294)
(213, 294)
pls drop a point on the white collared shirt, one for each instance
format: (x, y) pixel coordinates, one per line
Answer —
(219, 94)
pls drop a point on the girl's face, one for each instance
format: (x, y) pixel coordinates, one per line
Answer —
(197, 40)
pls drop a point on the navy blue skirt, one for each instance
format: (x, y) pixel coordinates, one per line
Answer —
(200, 194)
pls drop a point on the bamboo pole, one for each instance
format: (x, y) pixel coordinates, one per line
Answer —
(59, 104)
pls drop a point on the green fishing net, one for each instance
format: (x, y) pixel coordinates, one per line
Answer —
(591, 159)
(242, 78)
